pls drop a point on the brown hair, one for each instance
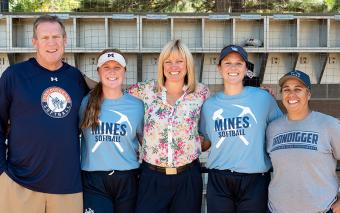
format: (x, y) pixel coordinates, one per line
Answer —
(181, 48)
(47, 18)
(92, 110)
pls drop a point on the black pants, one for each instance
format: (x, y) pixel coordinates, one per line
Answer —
(104, 193)
(229, 192)
(161, 193)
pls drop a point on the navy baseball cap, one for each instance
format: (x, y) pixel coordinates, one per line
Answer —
(236, 49)
(297, 74)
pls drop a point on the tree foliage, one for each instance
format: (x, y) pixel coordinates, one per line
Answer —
(170, 6)
(256, 6)
(43, 5)
(139, 5)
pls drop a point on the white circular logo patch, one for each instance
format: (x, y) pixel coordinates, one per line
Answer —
(56, 102)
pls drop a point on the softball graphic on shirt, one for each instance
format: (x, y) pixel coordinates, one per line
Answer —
(111, 132)
(233, 127)
(56, 102)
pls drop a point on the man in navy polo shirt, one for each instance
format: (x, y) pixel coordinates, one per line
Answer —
(40, 98)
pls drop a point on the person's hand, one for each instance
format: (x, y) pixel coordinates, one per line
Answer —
(205, 144)
(336, 206)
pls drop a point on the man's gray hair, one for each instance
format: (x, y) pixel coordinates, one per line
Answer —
(47, 18)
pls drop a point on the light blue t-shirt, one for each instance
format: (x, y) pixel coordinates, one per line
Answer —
(114, 144)
(236, 127)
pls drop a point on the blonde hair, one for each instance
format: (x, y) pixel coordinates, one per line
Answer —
(92, 110)
(181, 48)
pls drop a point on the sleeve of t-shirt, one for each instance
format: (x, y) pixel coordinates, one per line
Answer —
(334, 133)
(274, 110)
(5, 104)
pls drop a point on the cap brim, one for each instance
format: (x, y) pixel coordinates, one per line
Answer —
(249, 64)
(285, 78)
(111, 56)
(111, 59)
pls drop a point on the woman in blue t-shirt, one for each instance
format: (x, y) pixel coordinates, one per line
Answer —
(234, 122)
(111, 122)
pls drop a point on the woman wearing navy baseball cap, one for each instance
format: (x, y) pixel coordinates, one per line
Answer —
(304, 148)
(234, 121)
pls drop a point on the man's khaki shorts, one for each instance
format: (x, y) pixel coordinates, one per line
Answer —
(17, 199)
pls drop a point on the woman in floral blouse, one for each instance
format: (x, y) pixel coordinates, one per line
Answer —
(171, 178)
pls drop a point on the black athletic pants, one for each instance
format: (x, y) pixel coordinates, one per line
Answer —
(110, 193)
(229, 192)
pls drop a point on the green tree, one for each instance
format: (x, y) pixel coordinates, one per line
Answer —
(137, 6)
(43, 5)
(171, 6)
(235, 6)
(333, 5)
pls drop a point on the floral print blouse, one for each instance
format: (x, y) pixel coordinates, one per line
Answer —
(170, 132)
